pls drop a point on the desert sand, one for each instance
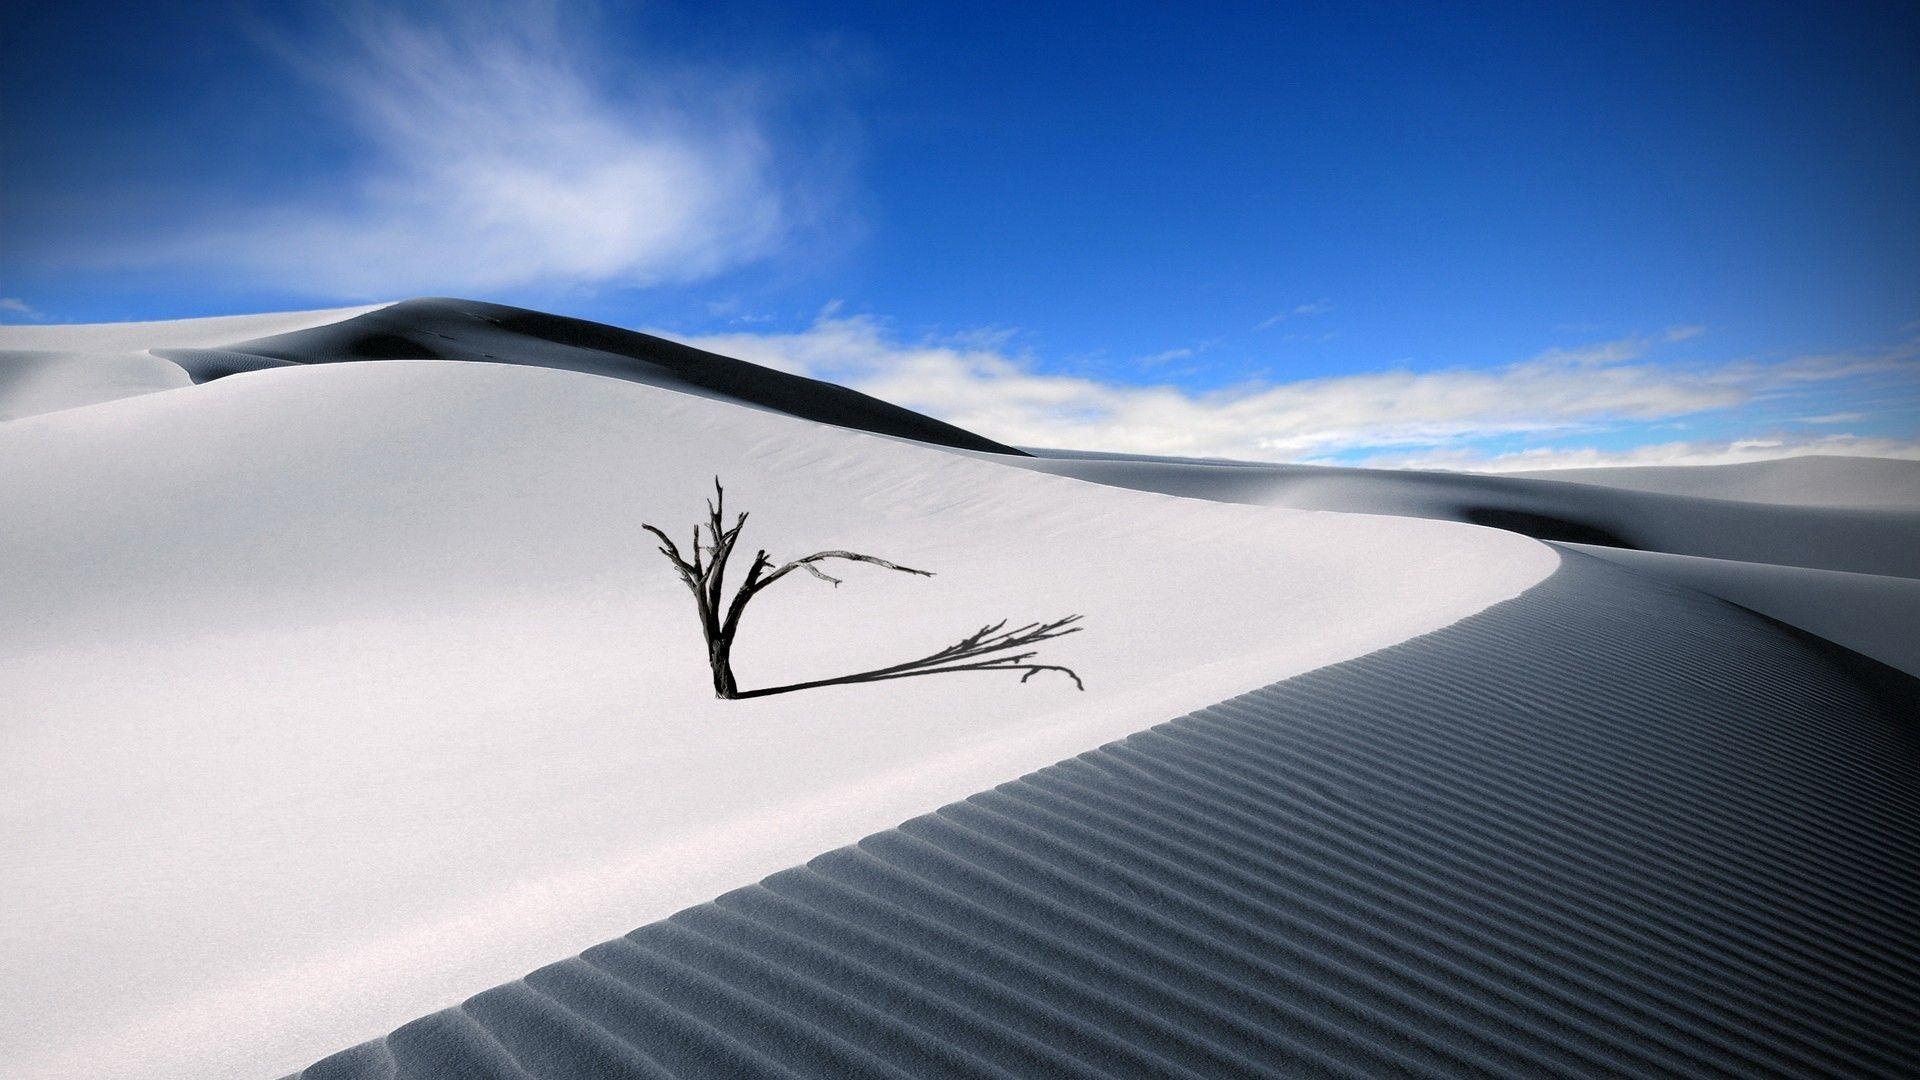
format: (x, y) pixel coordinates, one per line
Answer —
(324, 667)
(1608, 828)
(48, 368)
(344, 688)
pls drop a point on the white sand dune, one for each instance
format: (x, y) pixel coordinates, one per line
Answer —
(338, 693)
(1877, 539)
(439, 328)
(1610, 827)
(1844, 564)
(1810, 480)
(47, 368)
(32, 382)
(343, 691)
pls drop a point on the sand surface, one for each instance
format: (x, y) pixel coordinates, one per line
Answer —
(47, 368)
(344, 685)
(1812, 480)
(1611, 827)
(341, 692)
(1871, 614)
(1877, 539)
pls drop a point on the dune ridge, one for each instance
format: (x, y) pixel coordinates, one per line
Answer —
(441, 328)
(1876, 539)
(1609, 827)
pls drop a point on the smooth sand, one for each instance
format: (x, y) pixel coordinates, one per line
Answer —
(338, 693)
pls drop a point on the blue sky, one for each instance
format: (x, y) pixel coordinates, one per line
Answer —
(1493, 237)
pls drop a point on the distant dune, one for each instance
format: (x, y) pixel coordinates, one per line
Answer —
(1868, 540)
(445, 329)
(1846, 567)
(1812, 480)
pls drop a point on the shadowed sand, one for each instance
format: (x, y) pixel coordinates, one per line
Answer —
(1815, 480)
(1873, 615)
(1610, 827)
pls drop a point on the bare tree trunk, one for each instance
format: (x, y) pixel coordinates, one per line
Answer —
(720, 655)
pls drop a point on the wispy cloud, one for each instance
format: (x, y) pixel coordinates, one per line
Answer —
(1558, 393)
(16, 306)
(498, 144)
(1316, 307)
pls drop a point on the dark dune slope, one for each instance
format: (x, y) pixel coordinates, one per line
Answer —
(1610, 827)
(446, 329)
(1866, 540)
(1810, 480)
(1874, 615)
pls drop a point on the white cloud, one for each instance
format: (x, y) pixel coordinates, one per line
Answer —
(20, 307)
(499, 146)
(979, 385)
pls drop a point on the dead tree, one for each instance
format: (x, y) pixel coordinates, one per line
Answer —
(990, 648)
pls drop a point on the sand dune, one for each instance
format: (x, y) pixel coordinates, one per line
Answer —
(1872, 615)
(316, 671)
(1845, 566)
(447, 329)
(1608, 828)
(1867, 540)
(32, 383)
(1813, 480)
(341, 691)
(47, 368)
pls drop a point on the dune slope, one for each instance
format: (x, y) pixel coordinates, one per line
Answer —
(448, 329)
(1881, 539)
(338, 693)
(1608, 828)
(1873, 615)
(48, 368)
(1812, 480)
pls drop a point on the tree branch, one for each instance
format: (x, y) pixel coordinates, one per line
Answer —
(982, 642)
(807, 563)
